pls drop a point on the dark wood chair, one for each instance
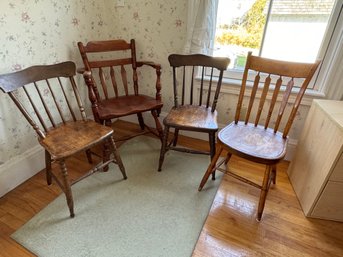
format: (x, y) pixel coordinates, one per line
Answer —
(197, 79)
(48, 96)
(255, 140)
(111, 92)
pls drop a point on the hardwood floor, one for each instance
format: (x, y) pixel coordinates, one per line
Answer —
(231, 228)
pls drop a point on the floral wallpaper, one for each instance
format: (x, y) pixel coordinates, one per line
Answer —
(47, 31)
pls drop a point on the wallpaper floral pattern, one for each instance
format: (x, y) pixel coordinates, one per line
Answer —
(47, 31)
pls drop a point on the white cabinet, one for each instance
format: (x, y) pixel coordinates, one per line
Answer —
(316, 171)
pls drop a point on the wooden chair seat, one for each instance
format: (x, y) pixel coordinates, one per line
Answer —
(192, 117)
(72, 137)
(254, 143)
(125, 105)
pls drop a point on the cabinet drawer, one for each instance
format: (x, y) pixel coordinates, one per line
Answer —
(330, 204)
(337, 173)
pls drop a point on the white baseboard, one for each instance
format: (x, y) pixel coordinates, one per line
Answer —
(19, 169)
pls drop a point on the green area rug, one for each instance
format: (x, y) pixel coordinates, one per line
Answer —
(149, 214)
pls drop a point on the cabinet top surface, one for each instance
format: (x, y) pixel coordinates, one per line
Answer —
(334, 109)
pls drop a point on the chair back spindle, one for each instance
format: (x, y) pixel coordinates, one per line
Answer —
(190, 66)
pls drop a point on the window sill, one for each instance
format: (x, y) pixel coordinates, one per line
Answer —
(232, 86)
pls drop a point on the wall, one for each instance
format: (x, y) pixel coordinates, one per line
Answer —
(43, 32)
(46, 31)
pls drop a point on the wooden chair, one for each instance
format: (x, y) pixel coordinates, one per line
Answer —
(260, 143)
(198, 113)
(47, 96)
(111, 62)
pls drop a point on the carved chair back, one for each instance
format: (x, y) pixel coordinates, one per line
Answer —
(276, 80)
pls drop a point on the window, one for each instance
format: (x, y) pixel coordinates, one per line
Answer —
(290, 30)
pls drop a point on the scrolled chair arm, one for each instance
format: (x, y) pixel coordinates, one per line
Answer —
(157, 67)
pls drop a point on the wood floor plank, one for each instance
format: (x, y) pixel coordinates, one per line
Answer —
(230, 229)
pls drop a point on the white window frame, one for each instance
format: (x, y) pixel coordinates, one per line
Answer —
(328, 78)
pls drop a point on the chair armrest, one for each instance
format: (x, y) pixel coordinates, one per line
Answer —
(151, 64)
(80, 70)
(157, 67)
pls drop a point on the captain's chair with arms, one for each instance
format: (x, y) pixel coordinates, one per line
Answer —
(115, 89)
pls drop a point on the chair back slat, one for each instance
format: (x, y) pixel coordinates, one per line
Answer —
(28, 117)
(273, 101)
(273, 73)
(263, 99)
(183, 84)
(55, 101)
(66, 98)
(134, 66)
(197, 69)
(216, 94)
(45, 105)
(209, 89)
(252, 97)
(35, 110)
(78, 98)
(176, 102)
(108, 46)
(192, 87)
(103, 83)
(201, 84)
(108, 63)
(283, 104)
(114, 82)
(241, 93)
(124, 79)
(39, 93)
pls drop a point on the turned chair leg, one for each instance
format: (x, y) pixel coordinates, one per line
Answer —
(141, 120)
(89, 156)
(117, 158)
(210, 168)
(106, 148)
(176, 136)
(264, 191)
(163, 147)
(274, 173)
(212, 141)
(158, 124)
(227, 159)
(48, 167)
(67, 188)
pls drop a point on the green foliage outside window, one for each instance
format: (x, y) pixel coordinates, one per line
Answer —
(248, 30)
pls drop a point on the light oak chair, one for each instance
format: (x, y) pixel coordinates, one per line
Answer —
(196, 111)
(111, 91)
(255, 136)
(48, 98)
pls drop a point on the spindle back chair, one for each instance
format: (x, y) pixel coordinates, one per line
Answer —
(48, 98)
(197, 80)
(116, 86)
(255, 133)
